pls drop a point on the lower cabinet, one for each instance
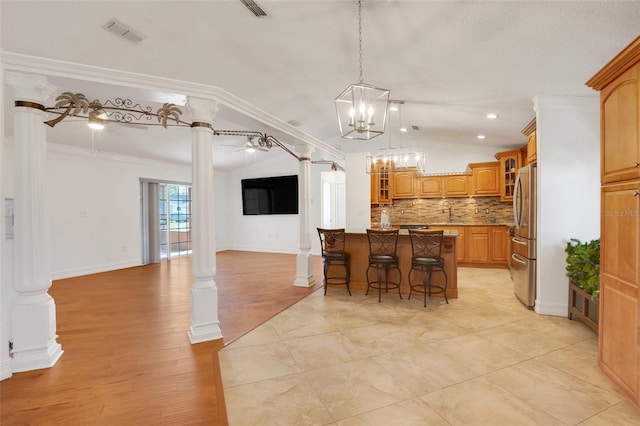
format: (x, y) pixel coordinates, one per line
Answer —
(482, 245)
(500, 244)
(478, 244)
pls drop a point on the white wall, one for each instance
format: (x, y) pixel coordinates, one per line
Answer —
(358, 183)
(273, 233)
(95, 208)
(568, 195)
(446, 158)
(223, 231)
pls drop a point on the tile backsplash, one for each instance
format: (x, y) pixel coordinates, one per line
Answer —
(467, 210)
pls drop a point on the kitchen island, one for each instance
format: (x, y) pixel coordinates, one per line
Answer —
(357, 245)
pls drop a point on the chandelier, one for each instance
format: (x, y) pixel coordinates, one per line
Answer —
(362, 108)
(393, 159)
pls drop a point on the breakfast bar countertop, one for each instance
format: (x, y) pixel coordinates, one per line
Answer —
(447, 232)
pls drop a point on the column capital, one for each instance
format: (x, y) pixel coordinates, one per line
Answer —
(202, 109)
(34, 88)
(305, 150)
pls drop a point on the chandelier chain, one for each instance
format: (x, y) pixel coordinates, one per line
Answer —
(360, 36)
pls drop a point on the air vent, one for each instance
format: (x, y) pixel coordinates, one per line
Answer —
(121, 30)
(254, 8)
(415, 128)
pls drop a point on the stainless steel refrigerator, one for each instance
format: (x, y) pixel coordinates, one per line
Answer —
(523, 241)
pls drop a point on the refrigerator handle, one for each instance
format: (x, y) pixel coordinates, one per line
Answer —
(515, 258)
(518, 241)
(517, 207)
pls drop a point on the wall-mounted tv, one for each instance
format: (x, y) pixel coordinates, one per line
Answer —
(271, 195)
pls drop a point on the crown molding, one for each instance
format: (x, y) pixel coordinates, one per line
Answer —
(45, 66)
(616, 66)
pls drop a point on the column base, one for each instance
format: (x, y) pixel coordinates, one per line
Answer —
(304, 270)
(5, 370)
(34, 333)
(205, 325)
(37, 358)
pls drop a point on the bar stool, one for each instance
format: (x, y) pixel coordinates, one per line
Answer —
(383, 258)
(333, 254)
(426, 258)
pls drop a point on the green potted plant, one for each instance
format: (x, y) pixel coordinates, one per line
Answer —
(583, 270)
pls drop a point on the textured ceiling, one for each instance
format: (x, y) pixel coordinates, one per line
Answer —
(452, 62)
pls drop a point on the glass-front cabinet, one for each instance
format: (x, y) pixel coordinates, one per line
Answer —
(510, 162)
(381, 181)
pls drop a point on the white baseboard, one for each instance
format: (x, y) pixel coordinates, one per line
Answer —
(264, 250)
(553, 309)
(70, 273)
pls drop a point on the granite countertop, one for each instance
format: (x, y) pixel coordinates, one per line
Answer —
(447, 232)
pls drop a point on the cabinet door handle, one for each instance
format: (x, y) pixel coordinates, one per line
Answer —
(636, 193)
(636, 164)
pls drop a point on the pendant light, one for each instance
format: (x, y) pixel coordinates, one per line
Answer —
(362, 108)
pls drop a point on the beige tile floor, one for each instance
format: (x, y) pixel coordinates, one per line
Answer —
(482, 359)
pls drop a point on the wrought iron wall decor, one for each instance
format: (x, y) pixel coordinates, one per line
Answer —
(120, 110)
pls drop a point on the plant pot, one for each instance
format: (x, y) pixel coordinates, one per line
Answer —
(582, 307)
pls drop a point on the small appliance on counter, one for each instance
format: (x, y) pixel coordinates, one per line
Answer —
(523, 257)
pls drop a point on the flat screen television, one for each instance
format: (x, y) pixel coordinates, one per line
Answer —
(270, 195)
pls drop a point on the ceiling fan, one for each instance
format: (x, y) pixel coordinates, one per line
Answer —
(248, 146)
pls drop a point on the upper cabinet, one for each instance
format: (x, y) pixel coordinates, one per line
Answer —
(430, 186)
(620, 118)
(403, 184)
(442, 186)
(485, 179)
(530, 132)
(455, 185)
(380, 182)
(510, 162)
(488, 179)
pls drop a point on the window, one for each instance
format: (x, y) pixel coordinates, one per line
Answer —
(175, 220)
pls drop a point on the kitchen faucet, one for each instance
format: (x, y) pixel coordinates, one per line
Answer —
(446, 205)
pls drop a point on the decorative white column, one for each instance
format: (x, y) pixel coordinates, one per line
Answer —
(33, 315)
(204, 294)
(304, 261)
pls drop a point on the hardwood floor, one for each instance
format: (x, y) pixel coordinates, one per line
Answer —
(127, 356)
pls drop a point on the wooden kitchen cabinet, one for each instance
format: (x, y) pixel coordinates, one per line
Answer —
(510, 162)
(430, 186)
(455, 185)
(619, 267)
(531, 147)
(499, 244)
(481, 245)
(403, 184)
(485, 179)
(381, 182)
(478, 244)
(619, 304)
(620, 103)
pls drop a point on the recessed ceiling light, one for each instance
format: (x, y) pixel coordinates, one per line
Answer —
(492, 116)
(481, 137)
(403, 129)
(393, 107)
